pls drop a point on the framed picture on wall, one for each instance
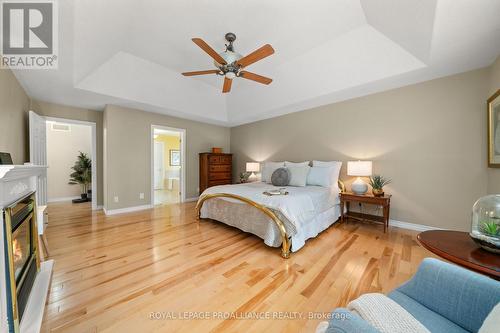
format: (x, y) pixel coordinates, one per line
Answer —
(494, 130)
(175, 157)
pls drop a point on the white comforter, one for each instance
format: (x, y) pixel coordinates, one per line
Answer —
(300, 206)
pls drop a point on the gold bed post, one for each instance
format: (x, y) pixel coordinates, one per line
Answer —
(285, 245)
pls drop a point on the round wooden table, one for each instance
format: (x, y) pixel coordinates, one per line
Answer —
(459, 248)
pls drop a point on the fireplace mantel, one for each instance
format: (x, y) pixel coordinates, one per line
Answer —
(17, 181)
(13, 172)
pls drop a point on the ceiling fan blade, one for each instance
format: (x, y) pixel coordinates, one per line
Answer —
(255, 77)
(261, 53)
(227, 85)
(210, 71)
(210, 51)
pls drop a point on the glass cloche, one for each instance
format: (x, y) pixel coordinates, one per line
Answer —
(486, 223)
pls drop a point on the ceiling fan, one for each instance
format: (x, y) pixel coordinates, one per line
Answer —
(230, 64)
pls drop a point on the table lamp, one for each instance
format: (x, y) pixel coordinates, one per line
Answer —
(253, 167)
(359, 169)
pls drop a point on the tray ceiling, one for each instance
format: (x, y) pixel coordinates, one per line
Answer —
(131, 53)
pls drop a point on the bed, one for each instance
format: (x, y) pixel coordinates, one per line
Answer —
(281, 220)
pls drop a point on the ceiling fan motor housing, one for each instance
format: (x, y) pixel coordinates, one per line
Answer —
(230, 56)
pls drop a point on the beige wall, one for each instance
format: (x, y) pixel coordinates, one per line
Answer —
(494, 174)
(128, 153)
(14, 107)
(74, 113)
(429, 138)
(63, 148)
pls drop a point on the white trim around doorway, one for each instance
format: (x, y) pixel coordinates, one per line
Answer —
(93, 153)
(182, 132)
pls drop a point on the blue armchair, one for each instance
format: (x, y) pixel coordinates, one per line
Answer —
(441, 296)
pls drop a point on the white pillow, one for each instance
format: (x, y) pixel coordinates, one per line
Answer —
(287, 164)
(319, 176)
(337, 165)
(298, 175)
(268, 169)
(326, 164)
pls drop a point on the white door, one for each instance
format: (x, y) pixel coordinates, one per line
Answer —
(38, 152)
(158, 166)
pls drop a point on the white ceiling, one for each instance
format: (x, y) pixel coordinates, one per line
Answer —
(131, 53)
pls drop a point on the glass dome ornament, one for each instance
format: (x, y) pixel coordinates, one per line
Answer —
(486, 223)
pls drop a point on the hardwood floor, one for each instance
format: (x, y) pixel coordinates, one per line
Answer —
(141, 272)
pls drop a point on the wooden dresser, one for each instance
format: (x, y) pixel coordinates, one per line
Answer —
(215, 169)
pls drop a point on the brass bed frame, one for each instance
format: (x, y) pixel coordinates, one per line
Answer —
(286, 242)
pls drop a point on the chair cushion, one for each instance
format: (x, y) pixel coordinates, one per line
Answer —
(430, 319)
(459, 295)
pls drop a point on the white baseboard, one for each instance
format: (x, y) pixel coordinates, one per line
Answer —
(63, 199)
(126, 209)
(99, 207)
(191, 199)
(411, 226)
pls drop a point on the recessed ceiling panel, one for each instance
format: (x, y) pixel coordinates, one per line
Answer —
(132, 53)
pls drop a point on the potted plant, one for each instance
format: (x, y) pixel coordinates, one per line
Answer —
(244, 177)
(82, 174)
(377, 183)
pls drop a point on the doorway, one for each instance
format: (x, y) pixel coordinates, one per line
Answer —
(167, 165)
(57, 142)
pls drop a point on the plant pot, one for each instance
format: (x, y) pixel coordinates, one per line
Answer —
(84, 196)
(378, 192)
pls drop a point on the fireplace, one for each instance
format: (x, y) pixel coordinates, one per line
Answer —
(21, 239)
(24, 278)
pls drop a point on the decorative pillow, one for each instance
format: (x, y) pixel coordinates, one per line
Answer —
(288, 164)
(298, 175)
(281, 177)
(268, 169)
(319, 176)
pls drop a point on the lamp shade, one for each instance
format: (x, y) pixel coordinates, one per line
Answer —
(253, 167)
(359, 168)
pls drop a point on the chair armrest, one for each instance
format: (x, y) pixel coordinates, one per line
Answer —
(460, 295)
(342, 320)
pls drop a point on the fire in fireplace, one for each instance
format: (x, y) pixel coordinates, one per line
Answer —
(21, 235)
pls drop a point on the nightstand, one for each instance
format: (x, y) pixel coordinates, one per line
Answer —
(385, 202)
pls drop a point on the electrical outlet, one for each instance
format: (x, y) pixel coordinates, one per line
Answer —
(115, 199)
(141, 195)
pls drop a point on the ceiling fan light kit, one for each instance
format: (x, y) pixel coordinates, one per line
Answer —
(230, 64)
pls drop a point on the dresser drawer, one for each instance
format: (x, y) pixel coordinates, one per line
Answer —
(226, 159)
(219, 182)
(220, 168)
(219, 175)
(213, 159)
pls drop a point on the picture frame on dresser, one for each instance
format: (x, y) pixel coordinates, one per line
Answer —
(493, 112)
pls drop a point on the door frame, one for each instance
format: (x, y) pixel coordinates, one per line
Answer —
(93, 153)
(162, 144)
(182, 186)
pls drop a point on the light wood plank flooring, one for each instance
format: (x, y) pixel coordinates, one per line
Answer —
(112, 274)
